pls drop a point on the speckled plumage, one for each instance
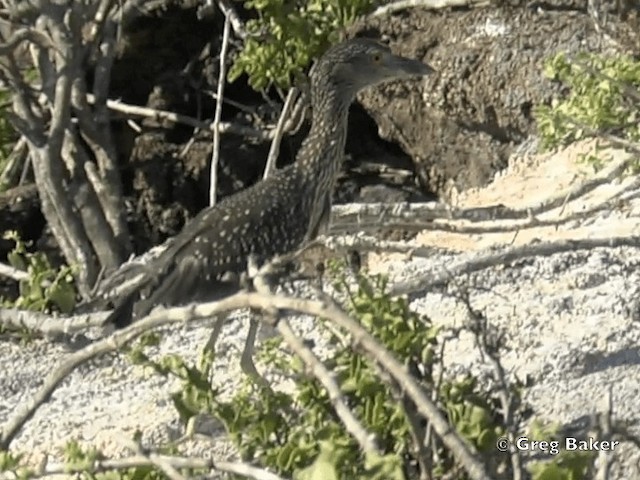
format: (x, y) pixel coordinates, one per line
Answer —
(277, 215)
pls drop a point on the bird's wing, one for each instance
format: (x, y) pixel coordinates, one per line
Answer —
(265, 220)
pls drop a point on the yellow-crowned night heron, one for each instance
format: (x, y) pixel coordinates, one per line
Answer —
(280, 214)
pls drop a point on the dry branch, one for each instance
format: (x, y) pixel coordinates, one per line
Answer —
(13, 273)
(50, 326)
(363, 341)
(223, 127)
(213, 181)
(366, 440)
(428, 4)
(274, 150)
(236, 23)
(177, 462)
(26, 35)
(10, 175)
(488, 341)
(506, 256)
(374, 217)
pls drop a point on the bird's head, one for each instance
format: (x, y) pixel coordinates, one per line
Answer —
(355, 64)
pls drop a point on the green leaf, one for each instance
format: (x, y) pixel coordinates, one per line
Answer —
(323, 468)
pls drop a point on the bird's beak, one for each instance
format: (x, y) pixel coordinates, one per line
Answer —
(410, 67)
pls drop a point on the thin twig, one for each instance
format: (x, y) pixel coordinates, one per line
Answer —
(160, 461)
(175, 461)
(50, 325)
(428, 4)
(236, 23)
(274, 150)
(366, 440)
(488, 341)
(491, 259)
(32, 35)
(440, 216)
(222, 75)
(223, 127)
(13, 273)
(10, 175)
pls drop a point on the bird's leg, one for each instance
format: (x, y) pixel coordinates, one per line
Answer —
(215, 333)
(246, 360)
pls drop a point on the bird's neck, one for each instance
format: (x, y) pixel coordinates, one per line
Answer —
(322, 152)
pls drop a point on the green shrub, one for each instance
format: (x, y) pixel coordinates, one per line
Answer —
(599, 99)
(298, 434)
(287, 35)
(46, 288)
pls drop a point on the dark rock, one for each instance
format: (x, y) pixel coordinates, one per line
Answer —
(461, 124)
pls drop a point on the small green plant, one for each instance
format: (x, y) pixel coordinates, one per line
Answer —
(79, 459)
(10, 462)
(599, 100)
(472, 414)
(46, 288)
(287, 35)
(565, 465)
(196, 395)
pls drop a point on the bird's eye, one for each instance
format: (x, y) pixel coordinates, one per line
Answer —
(376, 57)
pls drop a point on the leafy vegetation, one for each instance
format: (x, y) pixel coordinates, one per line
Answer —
(297, 434)
(603, 97)
(565, 465)
(287, 35)
(46, 288)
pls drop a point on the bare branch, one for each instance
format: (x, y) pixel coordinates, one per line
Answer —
(366, 440)
(10, 176)
(327, 379)
(222, 78)
(26, 35)
(24, 119)
(488, 341)
(106, 186)
(109, 344)
(424, 213)
(176, 462)
(236, 23)
(363, 341)
(160, 461)
(430, 4)
(274, 150)
(50, 326)
(13, 273)
(223, 127)
(432, 279)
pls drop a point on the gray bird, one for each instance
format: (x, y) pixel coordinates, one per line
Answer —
(276, 216)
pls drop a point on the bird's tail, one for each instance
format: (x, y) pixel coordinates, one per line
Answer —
(119, 292)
